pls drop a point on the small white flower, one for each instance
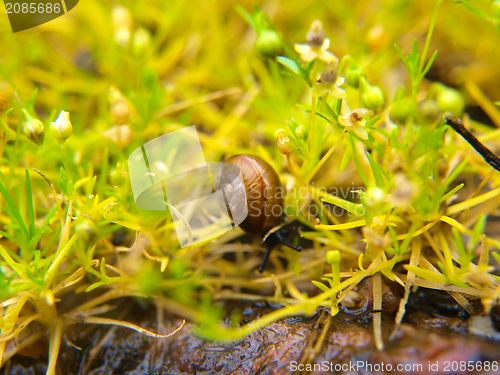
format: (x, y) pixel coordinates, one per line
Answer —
(120, 134)
(308, 53)
(330, 82)
(354, 119)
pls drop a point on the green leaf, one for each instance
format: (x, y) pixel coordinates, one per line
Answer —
(426, 274)
(345, 204)
(388, 273)
(31, 101)
(334, 114)
(13, 211)
(496, 256)
(5, 114)
(289, 63)
(346, 158)
(478, 12)
(94, 286)
(38, 233)
(357, 162)
(245, 15)
(429, 64)
(451, 192)
(307, 108)
(394, 240)
(377, 171)
(463, 257)
(403, 58)
(19, 268)
(477, 232)
(322, 286)
(456, 171)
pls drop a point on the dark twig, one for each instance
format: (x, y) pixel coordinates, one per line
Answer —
(485, 152)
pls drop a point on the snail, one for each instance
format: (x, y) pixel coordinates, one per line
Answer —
(264, 200)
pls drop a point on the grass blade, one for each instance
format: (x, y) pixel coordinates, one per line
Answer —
(31, 210)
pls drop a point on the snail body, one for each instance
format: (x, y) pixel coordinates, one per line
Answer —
(265, 200)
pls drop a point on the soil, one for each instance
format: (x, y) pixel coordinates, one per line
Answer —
(437, 337)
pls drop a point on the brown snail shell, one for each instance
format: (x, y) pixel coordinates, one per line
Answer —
(264, 193)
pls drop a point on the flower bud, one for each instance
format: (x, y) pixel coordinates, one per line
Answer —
(140, 41)
(372, 97)
(373, 197)
(450, 100)
(353, 75)
(120, 112)
(86, 230)
(330, 73)
(61, 129)
(333, 257)
(120, 134)
(282, 142)
(114, 95)
(300, 132)
(268, 43)
(122, 23)
(400, 110)
(429, 109)
(3, 102)
(33, 129)
(121, 17)
(316, 35)
(118, 177)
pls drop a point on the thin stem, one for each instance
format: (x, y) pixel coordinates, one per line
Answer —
(428, 39)
(344, 60)
(55, 345)
(312, 133)
(324, 158)
(66, 162)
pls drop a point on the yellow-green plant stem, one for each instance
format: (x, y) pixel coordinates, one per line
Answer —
(324, 159)
(55, 344)
(418, 75)
(66, 162)
(312, 133)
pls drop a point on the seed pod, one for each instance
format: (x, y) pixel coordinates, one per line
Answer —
(373, 97)
(450, 100)
(316, 35)
(33, 129)
(268, 43)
